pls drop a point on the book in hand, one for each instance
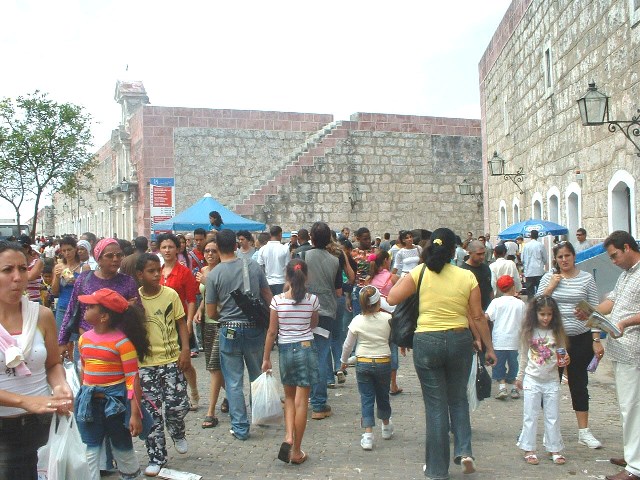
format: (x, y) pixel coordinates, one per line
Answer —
(597, 320)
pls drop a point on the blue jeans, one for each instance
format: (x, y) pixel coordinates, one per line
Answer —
(319, 389)
(338, 335)
(373, 384)
(355, 301)
(443, 363)
(247, 348)
(507, 359)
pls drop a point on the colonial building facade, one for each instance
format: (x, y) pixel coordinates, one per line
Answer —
(291, 169)
(538, 64)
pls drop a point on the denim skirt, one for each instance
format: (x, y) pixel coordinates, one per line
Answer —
(298, 363)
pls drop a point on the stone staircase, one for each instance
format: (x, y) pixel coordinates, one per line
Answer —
(315, 147)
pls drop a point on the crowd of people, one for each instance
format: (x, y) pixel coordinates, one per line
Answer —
(132, 315)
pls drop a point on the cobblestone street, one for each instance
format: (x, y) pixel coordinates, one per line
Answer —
(333, 444)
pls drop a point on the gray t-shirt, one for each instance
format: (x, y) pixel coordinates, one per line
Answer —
(224, 279)
(324, 280)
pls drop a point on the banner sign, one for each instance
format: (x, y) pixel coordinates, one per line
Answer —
(163, 194)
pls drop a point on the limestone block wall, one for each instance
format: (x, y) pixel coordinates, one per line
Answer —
(537, 65)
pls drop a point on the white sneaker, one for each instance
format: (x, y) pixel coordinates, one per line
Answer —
(152, 470)
(387, 430)
(367, 441)
(181, 445)
(341, 376)
(585, 437)
(502, 394)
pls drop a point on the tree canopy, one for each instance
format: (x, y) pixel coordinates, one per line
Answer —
(44, 147)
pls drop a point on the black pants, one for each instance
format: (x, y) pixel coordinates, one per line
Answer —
(532, 286)
(20, 438)
(580, 349)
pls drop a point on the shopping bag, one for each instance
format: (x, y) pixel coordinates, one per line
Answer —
(472, 396)
(64, 457)
(71, 375)
(266, 407)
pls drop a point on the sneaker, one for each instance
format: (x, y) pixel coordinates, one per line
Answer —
(515, 394)
(235, 435)
(387, 430)
(152, 470)
(324, 413)
(585, 437)
(181, 445)
(502, 394)
(352, 361)
(367, 441)
(468, 465)
(341, 376)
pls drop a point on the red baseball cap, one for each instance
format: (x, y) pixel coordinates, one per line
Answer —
(107, 298)
(505, 282)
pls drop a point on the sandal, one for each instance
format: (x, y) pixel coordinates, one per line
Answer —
(209, 422)
(558, 459)
(531, 459)
(396, 392)
(285, 452)
(224, 406)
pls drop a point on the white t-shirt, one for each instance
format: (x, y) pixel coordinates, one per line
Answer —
(274, 256)
(507, 314)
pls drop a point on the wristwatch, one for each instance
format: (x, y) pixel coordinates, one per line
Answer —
(596, 340)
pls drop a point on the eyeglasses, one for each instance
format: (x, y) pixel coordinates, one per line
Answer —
(113, 255)
(210, 250)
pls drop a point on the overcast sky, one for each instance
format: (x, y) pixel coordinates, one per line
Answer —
(337, 57)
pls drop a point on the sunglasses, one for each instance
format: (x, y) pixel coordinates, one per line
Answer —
(112, 255)
(210, 250)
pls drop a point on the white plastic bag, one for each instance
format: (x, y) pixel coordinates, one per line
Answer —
(64, 457)
(266, 408)
(472, 395)
(71, 375)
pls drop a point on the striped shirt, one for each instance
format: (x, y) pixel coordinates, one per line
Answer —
(625, 296)
(567, 294)
(108, 359)
(294, 319)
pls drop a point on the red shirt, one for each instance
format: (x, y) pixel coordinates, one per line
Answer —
(183, 282)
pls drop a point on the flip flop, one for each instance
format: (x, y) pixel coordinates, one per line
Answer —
(209, 422)
(396, 392)
(285, 452)
(301, 460)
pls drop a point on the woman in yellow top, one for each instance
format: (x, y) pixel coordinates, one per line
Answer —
(443, 349)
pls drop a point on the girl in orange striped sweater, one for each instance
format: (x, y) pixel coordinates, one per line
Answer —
(110, 391)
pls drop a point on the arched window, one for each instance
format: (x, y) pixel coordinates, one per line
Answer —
(621, 208)
(536, 206)
(573, 198)
(516, 210)
(553, 205)
(503, 215)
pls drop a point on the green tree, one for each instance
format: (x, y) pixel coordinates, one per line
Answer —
(44, 147)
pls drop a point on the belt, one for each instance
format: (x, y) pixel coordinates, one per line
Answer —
(21, 421)
(374, 360)
(239, 324)
(98, 395)
(456, 330)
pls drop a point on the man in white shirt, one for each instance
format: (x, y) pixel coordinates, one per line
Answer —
(501, 267)
(534, 260)
(582, 242)
(273, 257)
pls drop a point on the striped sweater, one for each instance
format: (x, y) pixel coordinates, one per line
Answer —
(108, 359)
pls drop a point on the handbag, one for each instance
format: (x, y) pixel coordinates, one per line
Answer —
(253, 307)
(76, 317)
(405, 318)
(483, 380)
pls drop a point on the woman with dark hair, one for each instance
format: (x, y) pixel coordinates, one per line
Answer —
(65, 274)
(449, 298)
(408, 256)
(35, 266)
(181, 279)
(33, 384)
(568, 285)
(183, 254)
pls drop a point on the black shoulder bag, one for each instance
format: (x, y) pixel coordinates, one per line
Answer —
(404, 319)
(254, 308)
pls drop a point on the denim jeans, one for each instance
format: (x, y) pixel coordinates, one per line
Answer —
(247, 348)
(319, 389)
(338, 335)
(373, 384)
(20, 439)
(355, 301)
(443, 363)
(506, 368)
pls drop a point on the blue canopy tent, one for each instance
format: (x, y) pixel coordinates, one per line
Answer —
(523, 229)
(197, 216)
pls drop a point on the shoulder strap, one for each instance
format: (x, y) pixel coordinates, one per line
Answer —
(420, 281)
(195, 257)
(245, 275)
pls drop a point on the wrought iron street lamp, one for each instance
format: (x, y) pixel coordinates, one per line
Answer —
(101, 196)
(466, 189)
(496, 169)
(594, 111)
